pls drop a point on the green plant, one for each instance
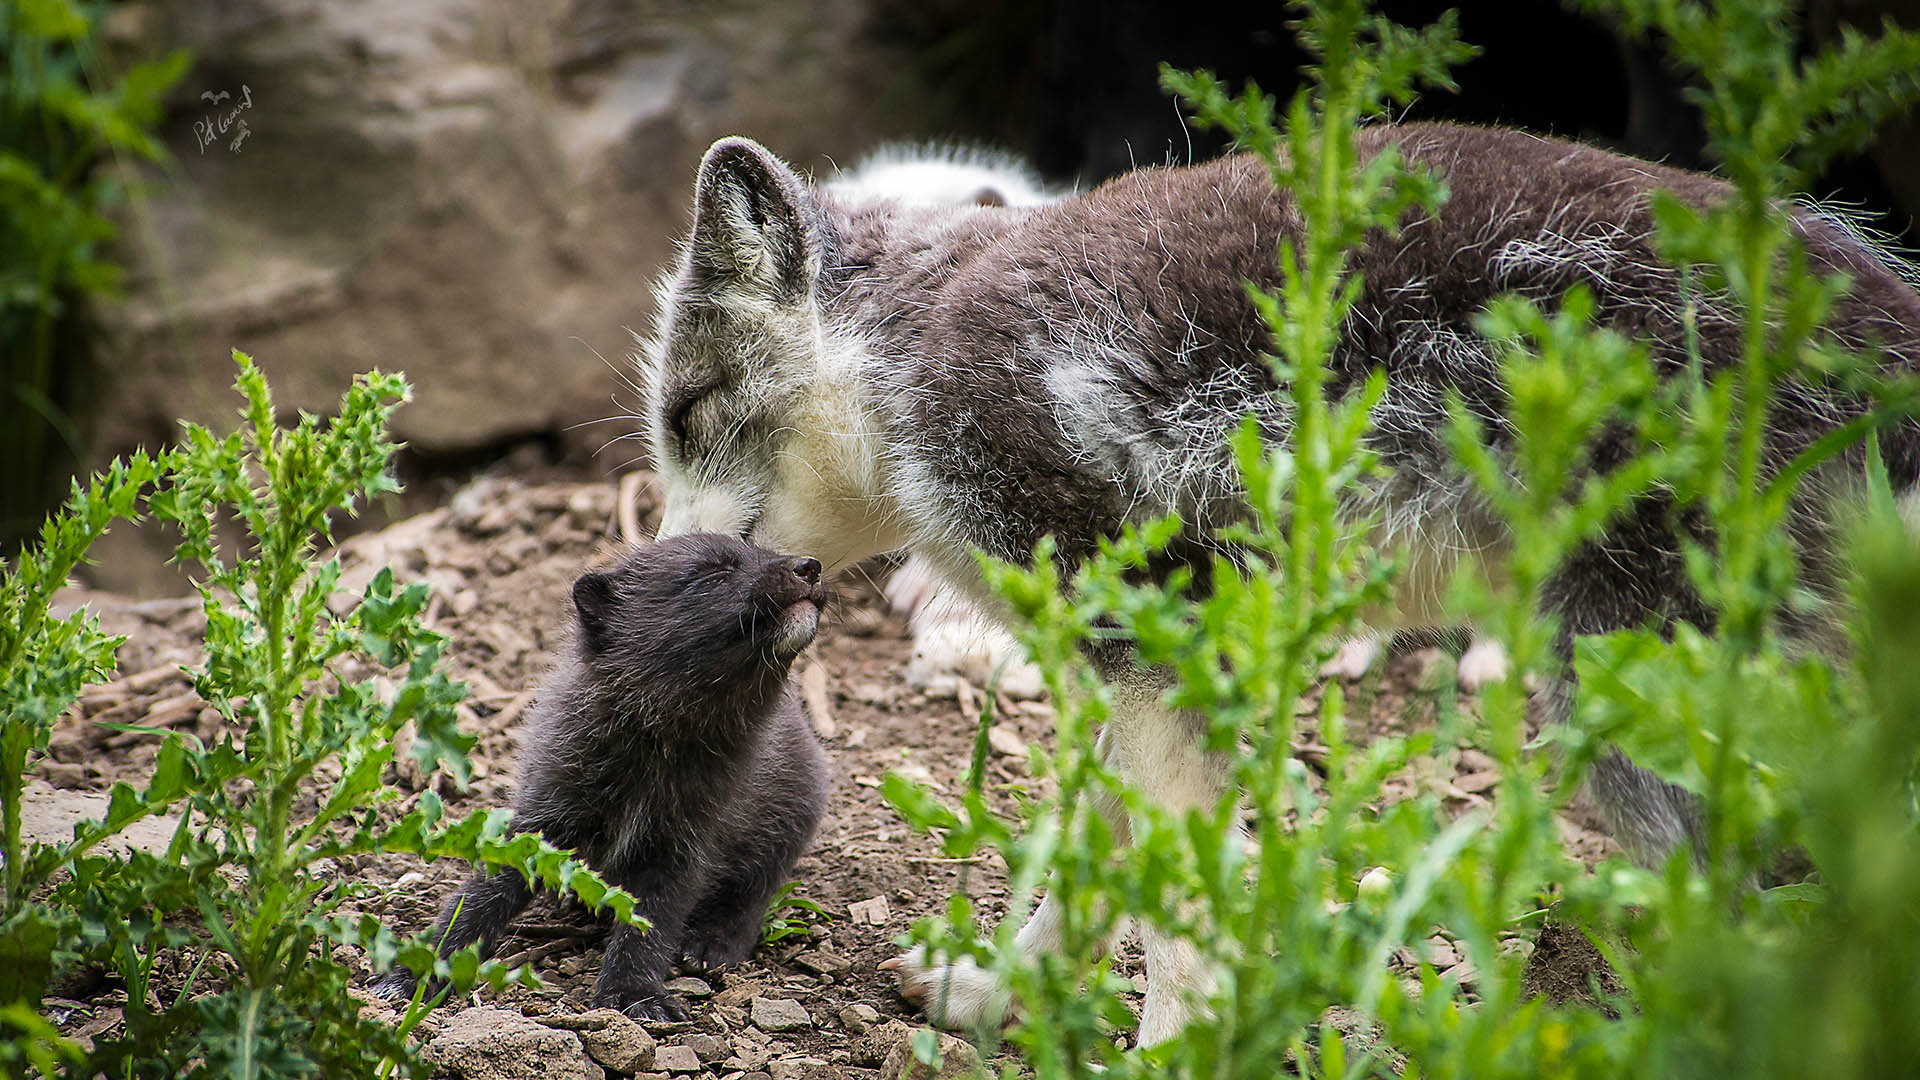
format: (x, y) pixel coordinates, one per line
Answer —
(44, 663)
(59, 119)
(1787, 750)
(789, 913)
(314, 687)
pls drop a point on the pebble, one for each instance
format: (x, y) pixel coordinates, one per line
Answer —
(708, 1048)
(746, 1060)
(779, 1014)
(487, 1043)
(823, 962)
(595, 1020)
(797, 1068)
(877, 1042)
(858, 1017)
(1006, 742)
(677, 1059)
(690, 987)
(871, 912)
(739, 993)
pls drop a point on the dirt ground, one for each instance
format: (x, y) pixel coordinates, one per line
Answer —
(501, 557)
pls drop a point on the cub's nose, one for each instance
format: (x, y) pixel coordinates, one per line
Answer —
(807, 569)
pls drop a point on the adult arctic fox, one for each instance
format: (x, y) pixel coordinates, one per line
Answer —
(847, 379)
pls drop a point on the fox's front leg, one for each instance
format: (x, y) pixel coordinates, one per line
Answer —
(1158, 752)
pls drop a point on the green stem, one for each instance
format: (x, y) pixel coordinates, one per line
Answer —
(11, 779)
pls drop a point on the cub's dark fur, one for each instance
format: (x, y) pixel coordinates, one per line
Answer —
(667, 749)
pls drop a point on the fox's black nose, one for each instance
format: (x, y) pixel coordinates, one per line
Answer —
(807, 569)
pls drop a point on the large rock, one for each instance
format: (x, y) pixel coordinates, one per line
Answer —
(485, 1043)
(957, 1058)
(476, 191)
(48, 815)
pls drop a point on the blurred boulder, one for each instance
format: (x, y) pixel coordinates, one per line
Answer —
(479, 192)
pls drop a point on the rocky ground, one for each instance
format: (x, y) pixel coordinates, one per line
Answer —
(501, 557)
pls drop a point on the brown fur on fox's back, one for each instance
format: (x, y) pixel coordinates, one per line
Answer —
(1116, 324)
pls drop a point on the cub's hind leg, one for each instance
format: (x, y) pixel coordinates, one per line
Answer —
(480, 911)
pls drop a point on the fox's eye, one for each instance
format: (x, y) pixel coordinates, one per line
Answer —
(680, 410)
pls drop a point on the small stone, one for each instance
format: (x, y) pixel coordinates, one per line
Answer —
(707, 1047)
(689, 986)
(858, 1017)
(622, 1045)
(677, 1059)
(800, 1068)
(739, 993)
(746, 1060)
(1376, 885)
(822, 962)
(872, 912)
(62, 774)
(1006, 742)
(956, 1057)
(779, 1014)
(594, 1020)
(571, 966)
(491, 521)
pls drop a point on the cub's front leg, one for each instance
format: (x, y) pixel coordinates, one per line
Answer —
(634, 972)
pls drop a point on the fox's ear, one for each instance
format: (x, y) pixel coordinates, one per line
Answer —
(753, 221)
(593, 599)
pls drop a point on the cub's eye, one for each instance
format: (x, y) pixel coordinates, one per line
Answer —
(706, 576)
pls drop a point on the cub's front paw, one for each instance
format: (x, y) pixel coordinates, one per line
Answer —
(654, 1004)
(716, 952)
(959, 996)
(396, 985)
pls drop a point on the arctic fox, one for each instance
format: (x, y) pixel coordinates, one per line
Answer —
(852, 377)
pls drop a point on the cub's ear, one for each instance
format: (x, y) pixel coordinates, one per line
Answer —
(593, 599)
(753, 221)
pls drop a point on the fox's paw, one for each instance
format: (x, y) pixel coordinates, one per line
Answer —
(1354, 660)
(959, 996)
(971, 648)
(1485, 661)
